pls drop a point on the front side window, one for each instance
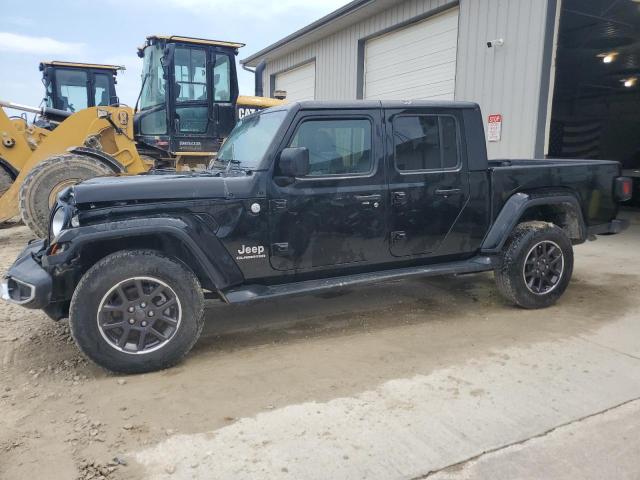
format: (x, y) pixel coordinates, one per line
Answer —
(336, 147)
(425, 142)
(72, 90)
(248, 142)
(153, 83)
(102, 95)
(222, 79)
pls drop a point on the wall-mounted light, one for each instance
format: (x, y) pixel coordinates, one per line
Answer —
(630, 82)
(498, 42)
(608, 57)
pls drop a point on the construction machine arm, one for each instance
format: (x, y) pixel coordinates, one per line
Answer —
(53, 114)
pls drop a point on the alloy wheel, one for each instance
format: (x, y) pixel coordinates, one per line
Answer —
(543, 267)
(139, 315)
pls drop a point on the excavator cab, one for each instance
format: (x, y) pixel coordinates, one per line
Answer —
(72, 87)
(189, 93)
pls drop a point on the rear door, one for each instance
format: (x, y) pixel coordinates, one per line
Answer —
(428, 183)
(336, 214)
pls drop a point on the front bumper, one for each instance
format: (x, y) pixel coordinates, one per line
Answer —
(614, 226)
(27, 283)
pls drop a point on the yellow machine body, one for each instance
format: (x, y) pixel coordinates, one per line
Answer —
(18, 140)
(86, 128)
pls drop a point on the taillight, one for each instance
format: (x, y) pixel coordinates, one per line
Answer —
(623, 189)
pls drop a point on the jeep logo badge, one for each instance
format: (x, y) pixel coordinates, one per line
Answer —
(249, 253)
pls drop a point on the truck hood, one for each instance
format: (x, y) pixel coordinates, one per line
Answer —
(161, 187)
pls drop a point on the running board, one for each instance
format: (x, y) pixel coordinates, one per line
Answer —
(257, 292)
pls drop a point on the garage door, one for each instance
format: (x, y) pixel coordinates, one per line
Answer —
(299, 83)
(416, 62)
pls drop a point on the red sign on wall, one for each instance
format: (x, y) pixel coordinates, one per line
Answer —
(494, 128)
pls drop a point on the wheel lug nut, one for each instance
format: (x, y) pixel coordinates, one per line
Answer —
(144, 324)
(151, 313)
(143, 305)
(132, 321)
(130, 309)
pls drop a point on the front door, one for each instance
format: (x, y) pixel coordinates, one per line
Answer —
(428, 184)
(336, 214)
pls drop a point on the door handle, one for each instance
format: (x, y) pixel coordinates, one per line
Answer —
(368, 198)
(447, 192)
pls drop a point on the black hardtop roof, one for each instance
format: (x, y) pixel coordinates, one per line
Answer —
(374, 104)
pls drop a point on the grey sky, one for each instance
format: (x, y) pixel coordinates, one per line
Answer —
(109, 31)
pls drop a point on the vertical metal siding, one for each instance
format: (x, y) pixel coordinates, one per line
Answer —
(502, 80)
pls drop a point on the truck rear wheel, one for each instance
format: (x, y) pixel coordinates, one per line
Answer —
(137, 311)
(536, 266)
(47, 179)
(5, 180)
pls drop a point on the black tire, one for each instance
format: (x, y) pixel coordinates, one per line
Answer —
(5, 180)
(47, 179)
(94, 290)
(548, 254)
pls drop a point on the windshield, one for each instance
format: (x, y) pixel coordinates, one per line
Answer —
(246, 145)
(153, 91)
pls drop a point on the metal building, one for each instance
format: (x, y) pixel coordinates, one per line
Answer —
(499, 53)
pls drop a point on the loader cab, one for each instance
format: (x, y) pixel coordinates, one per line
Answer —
(74, 86)
(187, 102)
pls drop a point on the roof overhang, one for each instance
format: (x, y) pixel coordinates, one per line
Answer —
(337, 20)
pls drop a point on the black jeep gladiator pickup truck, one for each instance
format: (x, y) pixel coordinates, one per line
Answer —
(302, 198)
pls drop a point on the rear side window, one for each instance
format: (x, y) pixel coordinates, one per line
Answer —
(425, 142)
(336, 147)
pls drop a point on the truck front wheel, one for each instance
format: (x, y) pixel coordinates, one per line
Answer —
(536, 265)
(137, 311)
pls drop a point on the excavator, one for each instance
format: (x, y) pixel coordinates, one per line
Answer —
(69, 86)
(188, 103)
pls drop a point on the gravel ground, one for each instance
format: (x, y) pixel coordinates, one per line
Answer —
(407, 379)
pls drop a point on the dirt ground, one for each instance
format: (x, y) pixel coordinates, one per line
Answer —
(313, 386)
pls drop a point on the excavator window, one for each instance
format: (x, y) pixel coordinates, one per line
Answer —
(72, 90)
(102, 95)
(153, 83)
(222, 79)
(192, 106)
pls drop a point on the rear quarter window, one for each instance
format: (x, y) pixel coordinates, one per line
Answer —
(425, 143)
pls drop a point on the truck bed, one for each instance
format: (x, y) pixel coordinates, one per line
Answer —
(590, 181)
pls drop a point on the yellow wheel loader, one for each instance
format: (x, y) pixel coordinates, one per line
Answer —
(188, 104)
(69, 86)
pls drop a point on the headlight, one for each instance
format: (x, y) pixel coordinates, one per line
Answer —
(57, 222)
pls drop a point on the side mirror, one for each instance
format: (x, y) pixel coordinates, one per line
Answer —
(294, 162)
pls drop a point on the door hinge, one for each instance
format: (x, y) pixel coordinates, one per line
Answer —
(398, 236)
(279, 249)
(277, 205)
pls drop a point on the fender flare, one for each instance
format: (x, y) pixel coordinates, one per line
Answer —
(216, 263)
(515, 207)
(105, 158)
